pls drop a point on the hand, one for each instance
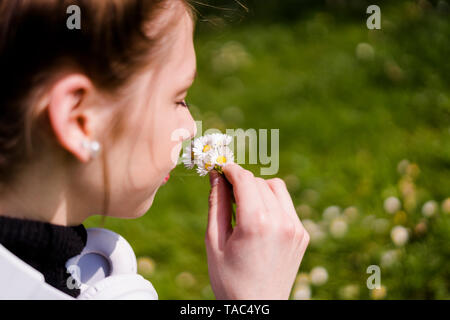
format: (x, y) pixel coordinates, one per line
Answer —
(258, 258)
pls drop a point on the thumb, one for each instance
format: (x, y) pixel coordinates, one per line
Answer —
(220, 209)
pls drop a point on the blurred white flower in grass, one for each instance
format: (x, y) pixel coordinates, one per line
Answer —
(185, 279)
(446, 206)
(399, 235)
(145, 266)
(420, 229)
(389, 258)
(331, 213)
(430, 208)
(378, 294)
(230, 57)
(314, 230)
(413, 170)
(365, 51)
(302, 292)
(351, 213)
(392, 205)
(349, 292)
(209, 152)
(302, 278)
(318, 276)
(338, 228)
(402, 166)
(309, 225)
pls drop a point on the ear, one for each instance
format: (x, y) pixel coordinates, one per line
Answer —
(69, 118)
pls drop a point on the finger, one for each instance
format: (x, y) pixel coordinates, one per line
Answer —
(268, 197)
(304, 244)
(230, 187)
(219, 214)
(280, 191)
(246, 193)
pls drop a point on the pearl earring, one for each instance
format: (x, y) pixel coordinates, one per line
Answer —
(92, 146)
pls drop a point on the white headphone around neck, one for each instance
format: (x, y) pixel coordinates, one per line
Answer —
(107, 269)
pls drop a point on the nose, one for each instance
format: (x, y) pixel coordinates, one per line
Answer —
(194, 131)
(192, 127)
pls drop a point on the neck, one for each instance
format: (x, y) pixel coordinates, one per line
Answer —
(39, 196)
(45, 247)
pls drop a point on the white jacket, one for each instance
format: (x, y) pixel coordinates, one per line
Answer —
(105, 269)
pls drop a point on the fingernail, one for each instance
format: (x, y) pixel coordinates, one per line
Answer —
(213, 178)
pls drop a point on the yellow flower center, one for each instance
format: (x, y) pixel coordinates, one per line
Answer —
(206, 148)
(221, 160)
(208, 165)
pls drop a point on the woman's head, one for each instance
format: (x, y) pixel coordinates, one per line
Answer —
(121, 79)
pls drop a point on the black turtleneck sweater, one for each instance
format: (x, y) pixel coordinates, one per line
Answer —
(44, 246)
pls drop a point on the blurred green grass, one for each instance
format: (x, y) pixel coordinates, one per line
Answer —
(351, 104)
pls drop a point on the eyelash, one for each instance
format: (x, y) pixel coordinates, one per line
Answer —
(183, 103)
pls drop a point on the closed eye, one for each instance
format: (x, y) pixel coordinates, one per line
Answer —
(183, 103)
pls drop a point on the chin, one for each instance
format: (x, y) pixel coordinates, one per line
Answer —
(144, 207)
(135, 209)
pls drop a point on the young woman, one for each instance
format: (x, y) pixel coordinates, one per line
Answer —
(86, 123)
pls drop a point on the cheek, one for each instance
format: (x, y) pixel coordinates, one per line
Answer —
(143, 158)
(169, 143)
(152, 144)
(139, 160)
(169, 132)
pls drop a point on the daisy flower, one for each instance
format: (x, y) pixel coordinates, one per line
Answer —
(220, 157)
(204, 167)
(188, 157)
(220, 139)
(209, 152)
(202, 145)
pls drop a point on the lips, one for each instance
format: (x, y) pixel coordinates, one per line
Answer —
(166, 178)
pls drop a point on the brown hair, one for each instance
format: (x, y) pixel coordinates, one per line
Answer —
(114, 41)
